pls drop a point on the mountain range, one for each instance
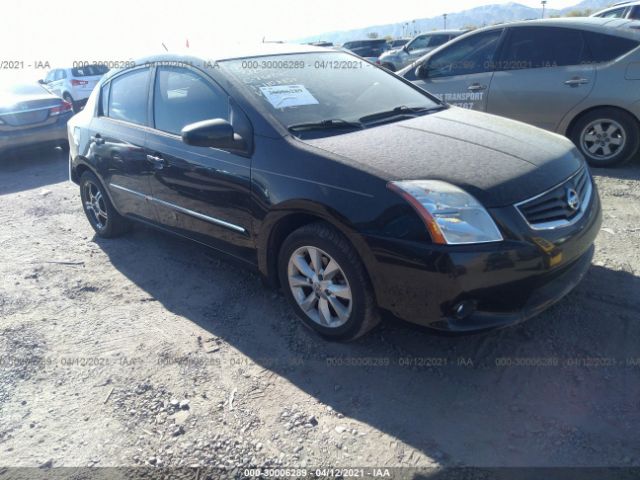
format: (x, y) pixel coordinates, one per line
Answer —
(475, 17)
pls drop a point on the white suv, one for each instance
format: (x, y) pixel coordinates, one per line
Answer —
(74, 84)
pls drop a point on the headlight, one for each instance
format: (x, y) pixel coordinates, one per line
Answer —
(451, 215)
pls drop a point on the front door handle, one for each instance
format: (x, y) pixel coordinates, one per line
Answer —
(97, 139)
(476, 87)
(158, 162)
(576, 82)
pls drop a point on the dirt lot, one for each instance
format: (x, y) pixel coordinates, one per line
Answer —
(148, 350)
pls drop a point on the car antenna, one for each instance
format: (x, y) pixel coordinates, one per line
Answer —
(165, 47)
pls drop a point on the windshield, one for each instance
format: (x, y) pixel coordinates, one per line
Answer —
(318, 87)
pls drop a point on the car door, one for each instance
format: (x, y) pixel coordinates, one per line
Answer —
(461, 73)
(542, 74)
(199, 192)
(57, 84)
(48, 80)
(118, 135)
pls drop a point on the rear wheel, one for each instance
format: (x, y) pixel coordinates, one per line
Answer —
(99, 210)
(607, 137)
(324, 280)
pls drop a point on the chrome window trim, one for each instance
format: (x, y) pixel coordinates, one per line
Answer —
(180, 209)
(561, 223)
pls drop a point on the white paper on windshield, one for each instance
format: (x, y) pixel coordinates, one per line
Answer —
(283, 96)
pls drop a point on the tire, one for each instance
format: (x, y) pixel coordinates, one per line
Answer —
(327, 296)
(102, 216)
(606, 137)
(67, 98)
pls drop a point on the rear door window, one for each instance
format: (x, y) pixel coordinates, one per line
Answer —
(543, 47)
(128, 97)
(604, 48)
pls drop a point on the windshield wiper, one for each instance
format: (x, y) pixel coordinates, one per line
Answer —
(400, 111)
(325, 125)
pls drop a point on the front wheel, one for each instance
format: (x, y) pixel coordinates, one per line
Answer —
(607, 137)
(102, 216)
(326, 283)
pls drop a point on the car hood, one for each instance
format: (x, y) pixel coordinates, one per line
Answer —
(498, 161)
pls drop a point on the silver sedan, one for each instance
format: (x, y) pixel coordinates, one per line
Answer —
(576, 77)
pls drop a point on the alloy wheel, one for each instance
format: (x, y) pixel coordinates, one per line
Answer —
(320, 287)
(603, 139)
(95, 205)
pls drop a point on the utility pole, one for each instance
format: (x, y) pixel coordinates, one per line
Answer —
(444, 15)
(544, 5)
(414, 28)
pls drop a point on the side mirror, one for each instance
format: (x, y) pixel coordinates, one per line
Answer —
(422, 71)
(216, 133)
(405, 48)
(42, 82)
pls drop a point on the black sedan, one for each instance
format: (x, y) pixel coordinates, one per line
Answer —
(348, 187)
(31, 116)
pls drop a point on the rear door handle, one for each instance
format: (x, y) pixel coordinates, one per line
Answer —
(97, 139)
(576, 82)
(476, 87)
(158, 162)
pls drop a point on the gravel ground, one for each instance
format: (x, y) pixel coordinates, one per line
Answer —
(148, 350)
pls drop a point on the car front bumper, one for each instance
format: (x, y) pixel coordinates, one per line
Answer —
(496, 284)
(52, 133)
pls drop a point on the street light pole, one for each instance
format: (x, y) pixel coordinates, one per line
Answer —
(445, 20)
(544, 5)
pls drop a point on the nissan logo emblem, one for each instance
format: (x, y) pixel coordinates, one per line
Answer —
(573, 200)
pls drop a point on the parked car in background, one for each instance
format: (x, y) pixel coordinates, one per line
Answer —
(398, 42)
(578, 77)
(321, 43)
(401, 57)
(369, 49)
(628, 10)
(351, 189)
(31, 116)
(74, 84)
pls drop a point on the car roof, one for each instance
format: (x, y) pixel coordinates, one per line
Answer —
(441, 32)
(372, 40)
(615, 6)
(617, 26)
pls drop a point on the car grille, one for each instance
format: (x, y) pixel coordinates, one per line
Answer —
(557, 207)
